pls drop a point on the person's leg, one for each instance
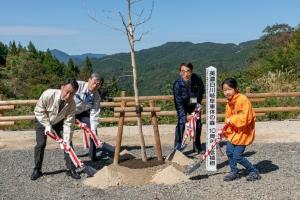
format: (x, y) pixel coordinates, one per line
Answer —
(179, 135)
(238, 155)
(41, 140)
(58, 128)
(253, 172)
(197, 144)
(85, 118)
(230, 150)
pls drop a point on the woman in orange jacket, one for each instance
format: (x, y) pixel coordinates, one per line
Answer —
(241, 116)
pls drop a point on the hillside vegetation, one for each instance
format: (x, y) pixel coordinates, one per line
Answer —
(271, 63)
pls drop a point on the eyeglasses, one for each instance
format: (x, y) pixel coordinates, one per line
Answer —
(96, 83)
(186, 71)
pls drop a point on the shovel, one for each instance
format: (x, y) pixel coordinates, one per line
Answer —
(90, 171)
(215, 143)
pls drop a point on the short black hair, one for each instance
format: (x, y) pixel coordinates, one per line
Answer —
(188, 65)
(73, 83)
(231, 82)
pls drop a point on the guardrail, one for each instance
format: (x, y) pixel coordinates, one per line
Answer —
(119, 102)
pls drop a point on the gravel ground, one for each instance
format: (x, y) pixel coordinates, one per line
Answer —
(278, 164)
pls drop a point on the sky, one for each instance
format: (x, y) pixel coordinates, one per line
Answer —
(68, 25)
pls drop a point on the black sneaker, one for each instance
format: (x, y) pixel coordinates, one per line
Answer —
(73, 174)
(253, 176)
(230, 177)
(36, 174)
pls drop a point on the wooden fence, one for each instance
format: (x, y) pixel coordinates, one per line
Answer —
(118, 102)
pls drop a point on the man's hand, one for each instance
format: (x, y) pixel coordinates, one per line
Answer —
(189, 117)
(48, 129)
(228, 121)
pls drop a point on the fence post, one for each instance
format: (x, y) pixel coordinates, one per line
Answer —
(156, 132)
(119, 132)
(1, 112)
(1, 99)
(248, 89)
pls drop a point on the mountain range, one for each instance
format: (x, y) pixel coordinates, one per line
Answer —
(158, 66)
(78, 59)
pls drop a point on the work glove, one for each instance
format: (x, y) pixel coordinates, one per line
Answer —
(228, 121)
(48, 129)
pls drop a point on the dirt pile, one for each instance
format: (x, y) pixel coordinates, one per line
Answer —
(180, 159)
(135, 172)
(169, 176)
(132, 172)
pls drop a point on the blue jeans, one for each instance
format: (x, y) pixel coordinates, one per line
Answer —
(235, 155)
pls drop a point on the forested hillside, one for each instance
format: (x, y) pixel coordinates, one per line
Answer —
(271, 63)
(158, 66)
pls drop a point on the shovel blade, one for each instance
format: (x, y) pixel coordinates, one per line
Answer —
(171, 155)
(108, 148)
(90, 171)
(193, 167)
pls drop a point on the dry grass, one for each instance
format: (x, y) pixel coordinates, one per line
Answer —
(279, 81)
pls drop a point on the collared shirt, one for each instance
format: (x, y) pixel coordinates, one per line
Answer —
(47, 112)
(88, 101)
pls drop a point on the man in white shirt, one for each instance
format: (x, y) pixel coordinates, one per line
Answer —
(87, 99)
(55, 110)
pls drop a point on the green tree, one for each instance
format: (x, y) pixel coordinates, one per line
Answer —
(54, 70)
(13, 48)
(31, 48)
(86, 70)
(71, 70)
(274, 37)
(3, 54)
(21, 72)
(110, 89)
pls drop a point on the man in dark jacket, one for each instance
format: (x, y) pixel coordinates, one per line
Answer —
(188, 90)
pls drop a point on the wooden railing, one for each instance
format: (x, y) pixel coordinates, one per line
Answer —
(6, 105)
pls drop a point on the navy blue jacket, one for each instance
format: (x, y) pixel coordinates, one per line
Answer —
(182, 96)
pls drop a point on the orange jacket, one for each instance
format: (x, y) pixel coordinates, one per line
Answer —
(241, 114)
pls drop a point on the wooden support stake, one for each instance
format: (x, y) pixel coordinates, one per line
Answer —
(156, 133)
(120, 132)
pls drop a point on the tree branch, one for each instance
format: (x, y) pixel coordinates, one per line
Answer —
(94, 18)
(139, 21)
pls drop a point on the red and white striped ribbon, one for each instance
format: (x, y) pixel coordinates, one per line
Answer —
(190, 130)
(86, 133)
(67, 148)
(217, 139)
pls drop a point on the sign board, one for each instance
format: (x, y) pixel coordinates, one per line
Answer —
(211, 116)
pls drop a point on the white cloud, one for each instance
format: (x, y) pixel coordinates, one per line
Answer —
(36, 31)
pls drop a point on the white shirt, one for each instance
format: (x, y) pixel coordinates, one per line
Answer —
(86, 100)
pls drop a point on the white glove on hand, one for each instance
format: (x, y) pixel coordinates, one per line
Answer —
(228, 121)
(48, 129)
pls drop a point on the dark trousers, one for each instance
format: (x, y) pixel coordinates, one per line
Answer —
(41, 141)
(85, 118)
(179, 135)
(235, 155)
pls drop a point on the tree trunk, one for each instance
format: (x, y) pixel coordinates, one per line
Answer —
(130, 35)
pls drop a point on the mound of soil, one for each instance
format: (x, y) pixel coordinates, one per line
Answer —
(133, 172)
(169, 176)
(180, 159)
